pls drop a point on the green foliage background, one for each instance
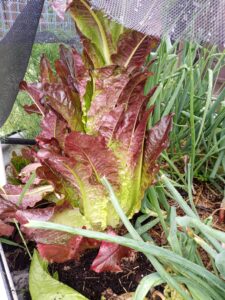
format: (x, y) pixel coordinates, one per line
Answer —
(19, 120)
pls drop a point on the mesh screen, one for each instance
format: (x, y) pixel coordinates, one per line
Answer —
(198, 20)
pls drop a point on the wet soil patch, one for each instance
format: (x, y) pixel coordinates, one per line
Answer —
(78, 275)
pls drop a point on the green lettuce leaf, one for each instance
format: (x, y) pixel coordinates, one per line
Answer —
(92, 27)
(43, 286)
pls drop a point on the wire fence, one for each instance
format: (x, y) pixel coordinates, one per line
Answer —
(49, 22)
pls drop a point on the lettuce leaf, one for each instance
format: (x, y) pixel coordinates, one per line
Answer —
(5, 229)
(43, 286)
(75, 246)
(132, 49)
(90, 24)
(34, 195)
(93, 151)
(109, 257)
(95, 116)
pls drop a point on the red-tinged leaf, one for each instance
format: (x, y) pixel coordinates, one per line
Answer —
(63, 214)
(138, 91)
(92, 151)
(101, 34)
(61, 6)
(122, 120)
(65, 67)
(222, 212)
(29, 154)
(36, 93)
(222, 216)
(46, 72)
(34, 195)
(129, 121)
(109, 122)
(52, 127)
(55, 253)
(133, 177)
(108, 89)
(32, 109)
(157, 139)
(5, 229)
(104, 73)
(39, 235)
(91, 56)
(7, 210)
(71, 250)
(27, 171)
(63, 189)
(77, 183)
(138, 138)
(7, 214)
(133, 48)
(135, 100)
(48, 125)
(37, 214)
(68, 168)
(81, 73)
(66, 103)
(50, 145)
(64, 74)
(134, 87)
(72, 70)
(46, 174)
(109, 257)
(57, 163)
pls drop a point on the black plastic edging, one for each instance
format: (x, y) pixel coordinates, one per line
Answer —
(17, 141)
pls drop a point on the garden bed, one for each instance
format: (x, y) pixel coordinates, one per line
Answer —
(77, 273)
(124, 189)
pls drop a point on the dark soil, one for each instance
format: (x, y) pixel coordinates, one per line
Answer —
(78, 275)
(19, 263)
(17, 258)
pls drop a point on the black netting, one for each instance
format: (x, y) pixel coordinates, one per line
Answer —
(23, 23)
(15, 49)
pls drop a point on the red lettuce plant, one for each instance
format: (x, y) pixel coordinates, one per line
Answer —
(95, 116)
